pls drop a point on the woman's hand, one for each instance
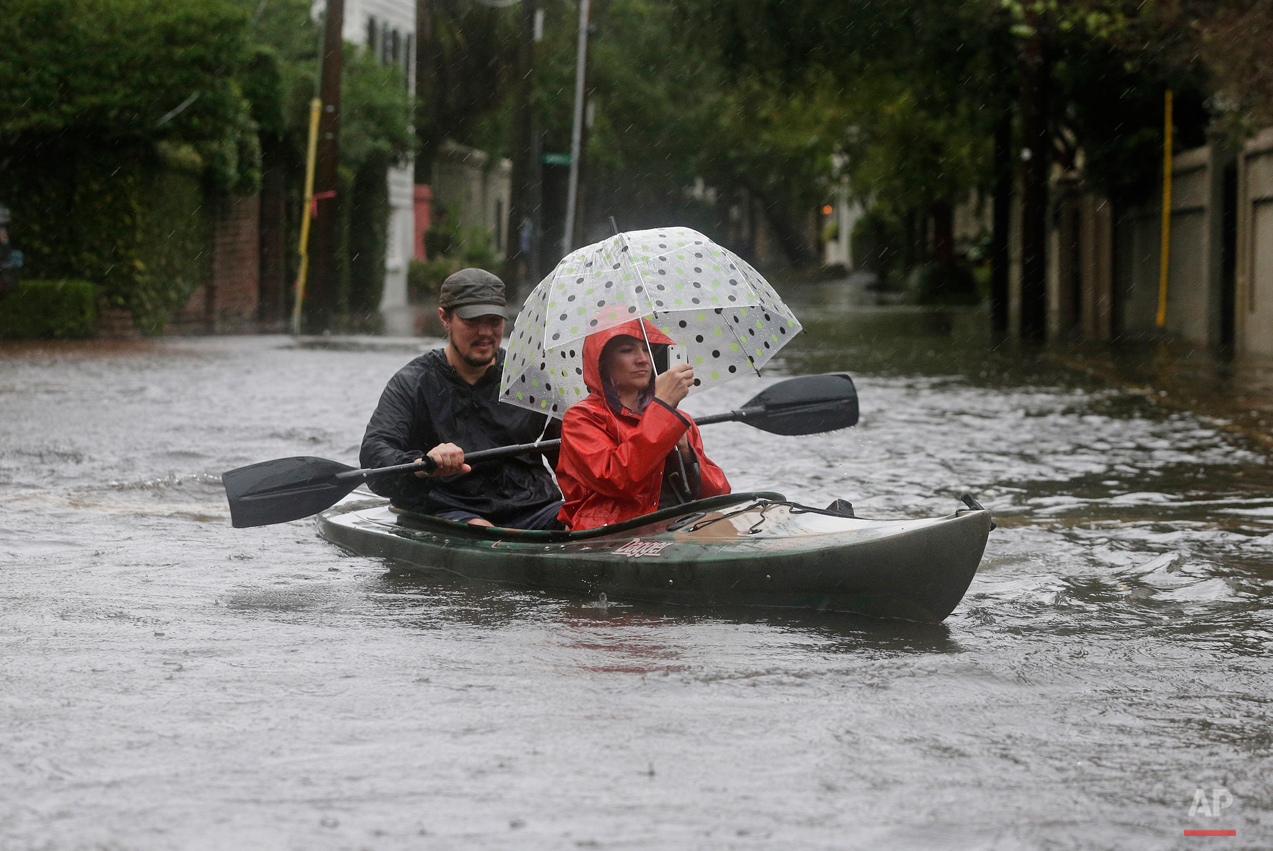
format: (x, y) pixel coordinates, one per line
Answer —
(674, 384)
(450, 461)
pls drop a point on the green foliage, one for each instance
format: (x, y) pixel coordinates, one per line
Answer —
(55, 309)
(174, 229)
(878, 242)
(471, 244)
(450, 246)
(1101, 19)
(279, 75)
(78, 211)
(375, 112)
(920, 84)
(137, 70)
(1231, 40)
(425, 277)
(97, 98)
(122, 120)
(901, 89)
(1115, 107)
(671, 110)
(121, 216)
(468, 59)
(907, 155)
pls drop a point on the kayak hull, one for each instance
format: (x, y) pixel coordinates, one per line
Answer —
(739, 550)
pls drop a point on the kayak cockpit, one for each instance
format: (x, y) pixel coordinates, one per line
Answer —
(665, 517)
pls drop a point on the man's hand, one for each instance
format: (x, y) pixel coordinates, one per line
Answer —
(674, 384)
(450, 461)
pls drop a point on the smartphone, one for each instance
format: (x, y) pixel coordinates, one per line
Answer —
(677, 354)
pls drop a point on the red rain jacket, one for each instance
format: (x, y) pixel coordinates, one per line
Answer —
(611, 465)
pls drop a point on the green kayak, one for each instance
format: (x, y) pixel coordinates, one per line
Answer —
(745, 549)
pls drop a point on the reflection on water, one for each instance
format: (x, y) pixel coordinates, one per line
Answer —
(171, 682)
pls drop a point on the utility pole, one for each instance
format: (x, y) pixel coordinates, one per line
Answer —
(324, 283)
(426, 88)
(521, 267)
(576, 132)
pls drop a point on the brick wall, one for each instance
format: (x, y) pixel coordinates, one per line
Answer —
(236, 263)
(227, 300)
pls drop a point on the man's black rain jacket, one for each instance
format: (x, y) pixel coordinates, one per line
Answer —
(427, 403)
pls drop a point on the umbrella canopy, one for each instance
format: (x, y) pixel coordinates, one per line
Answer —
(701, 295)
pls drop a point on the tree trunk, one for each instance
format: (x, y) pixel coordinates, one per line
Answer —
(1035, 156)
(943, 233)
(1000, 256)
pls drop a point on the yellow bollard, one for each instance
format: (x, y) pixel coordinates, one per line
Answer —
(315, 110)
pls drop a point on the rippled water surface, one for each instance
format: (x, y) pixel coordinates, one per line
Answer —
(167, 681)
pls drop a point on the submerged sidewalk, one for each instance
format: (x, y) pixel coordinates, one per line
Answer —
(1236, 395)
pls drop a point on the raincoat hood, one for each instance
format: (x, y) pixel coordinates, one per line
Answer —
(595, 343)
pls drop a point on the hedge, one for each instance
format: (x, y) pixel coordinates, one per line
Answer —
(48, 309)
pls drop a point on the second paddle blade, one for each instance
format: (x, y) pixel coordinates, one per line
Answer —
(284, 489)
(808, 404)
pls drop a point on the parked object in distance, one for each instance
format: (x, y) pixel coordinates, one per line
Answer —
(746, 549)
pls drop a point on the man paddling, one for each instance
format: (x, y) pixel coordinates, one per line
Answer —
(446, 402)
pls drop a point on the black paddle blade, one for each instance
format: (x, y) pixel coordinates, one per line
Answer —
(283, 490)
(808, 404)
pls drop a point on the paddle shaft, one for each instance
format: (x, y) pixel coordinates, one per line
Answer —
(427, 465)
(290, 488)
(786, 409)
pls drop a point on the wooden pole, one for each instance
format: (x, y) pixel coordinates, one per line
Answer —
(1165, 253)
(324, 286)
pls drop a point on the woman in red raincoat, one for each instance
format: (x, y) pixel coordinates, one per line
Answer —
(625, 449)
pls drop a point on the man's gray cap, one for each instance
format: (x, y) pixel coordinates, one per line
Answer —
(472, 293)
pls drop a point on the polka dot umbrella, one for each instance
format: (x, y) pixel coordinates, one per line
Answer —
(700, 294)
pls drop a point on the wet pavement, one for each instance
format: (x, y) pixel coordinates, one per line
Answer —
(167, 681)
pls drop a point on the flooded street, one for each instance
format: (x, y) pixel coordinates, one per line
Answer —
(168, 682)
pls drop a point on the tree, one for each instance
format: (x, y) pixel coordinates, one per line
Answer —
(670, 110)
(376, 134)
(88, 91)
(928, 84)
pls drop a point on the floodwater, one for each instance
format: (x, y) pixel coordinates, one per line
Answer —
(168, 682)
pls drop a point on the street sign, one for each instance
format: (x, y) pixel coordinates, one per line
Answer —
(556, 159)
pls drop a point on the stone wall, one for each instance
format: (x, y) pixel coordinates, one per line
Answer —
(1253, 306)
(1196, 283)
